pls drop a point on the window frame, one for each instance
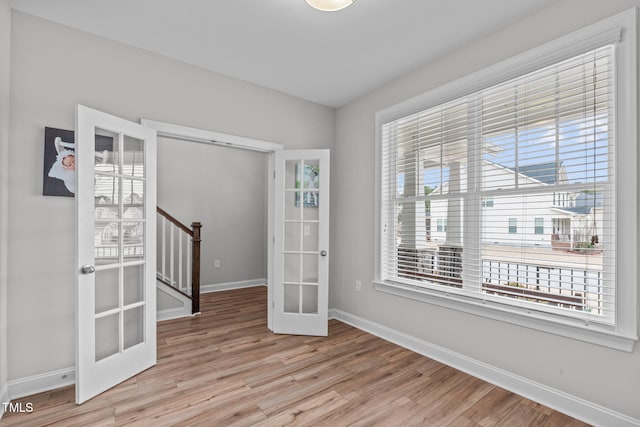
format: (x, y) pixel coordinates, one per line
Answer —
(538, 229)
(620, 29)
(513, 225)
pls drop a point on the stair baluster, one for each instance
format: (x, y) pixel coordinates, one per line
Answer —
(187, 284)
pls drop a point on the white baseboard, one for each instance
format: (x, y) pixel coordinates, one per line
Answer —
(4, 397)
(42, 382)
(563, 402)
(217, 287)
(173, 313)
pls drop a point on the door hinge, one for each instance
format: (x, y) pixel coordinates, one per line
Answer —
(274, 239)
(273, 304)
(274, 174)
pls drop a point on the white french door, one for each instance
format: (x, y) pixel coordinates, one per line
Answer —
(301, 226)
(115, 292)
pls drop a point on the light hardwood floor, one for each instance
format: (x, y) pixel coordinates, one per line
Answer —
(225, 368)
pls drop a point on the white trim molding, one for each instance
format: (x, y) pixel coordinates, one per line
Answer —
(203, 136)
(575, 329)
(566, 403)
(218, 287)
(171, 130)
(42, 382)
(173, 313)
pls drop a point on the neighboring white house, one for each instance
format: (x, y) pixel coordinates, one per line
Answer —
(541, 219)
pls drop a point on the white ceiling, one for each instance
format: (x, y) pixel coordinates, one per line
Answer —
(328, 58)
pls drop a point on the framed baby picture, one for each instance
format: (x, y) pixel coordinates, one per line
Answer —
(60, 178)
(59, 175)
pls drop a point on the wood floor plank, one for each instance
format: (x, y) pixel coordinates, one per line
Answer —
(493, 406)
(307, 410)
(223, 367)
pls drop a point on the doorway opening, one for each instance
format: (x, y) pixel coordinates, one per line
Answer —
(191, 152)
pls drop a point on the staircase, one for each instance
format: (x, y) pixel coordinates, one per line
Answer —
(178, 259)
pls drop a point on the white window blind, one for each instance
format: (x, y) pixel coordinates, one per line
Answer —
(540, 148)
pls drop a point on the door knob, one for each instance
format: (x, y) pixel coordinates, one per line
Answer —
(87, 269)
(323, 253)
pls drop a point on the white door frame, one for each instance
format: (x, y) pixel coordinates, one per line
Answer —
(169, 130)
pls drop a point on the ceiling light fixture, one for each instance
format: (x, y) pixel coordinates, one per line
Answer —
(330, 5)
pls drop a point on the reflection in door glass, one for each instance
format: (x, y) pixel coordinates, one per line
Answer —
(293, 174)
(292, 210)
(106, 152)
(107, 197)
(133, 157)
(132, 240)
(106, 242)
(132, 199)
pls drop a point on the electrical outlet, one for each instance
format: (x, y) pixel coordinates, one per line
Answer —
(216, 263)
(358, 286)
(306, 230)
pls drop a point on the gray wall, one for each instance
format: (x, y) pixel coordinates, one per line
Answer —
(53, 68)
(607, 377)
(225, 189)
(5, 47)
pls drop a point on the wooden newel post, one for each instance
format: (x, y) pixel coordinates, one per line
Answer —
(195, 263)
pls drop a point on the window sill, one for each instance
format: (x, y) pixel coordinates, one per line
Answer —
(562, 326)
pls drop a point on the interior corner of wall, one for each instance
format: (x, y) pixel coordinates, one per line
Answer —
(4, 397)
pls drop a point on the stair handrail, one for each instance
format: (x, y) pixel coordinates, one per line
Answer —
(175, 221)
(194, 232)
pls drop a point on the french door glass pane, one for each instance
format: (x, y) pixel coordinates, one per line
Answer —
(106, 242)
(309, 299)
(292, 268)
(292, 211)
(311, 174)
(107, 197)
(133, 158)
(310, 268)
(107, 336)
(106, 290)
(133, 324)
(133, 287)
(106, 152)
(292, 236)
(310, 237)
(133, 240)
(291, 298)
(311, 203)
(132, 198)
(293, 174)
